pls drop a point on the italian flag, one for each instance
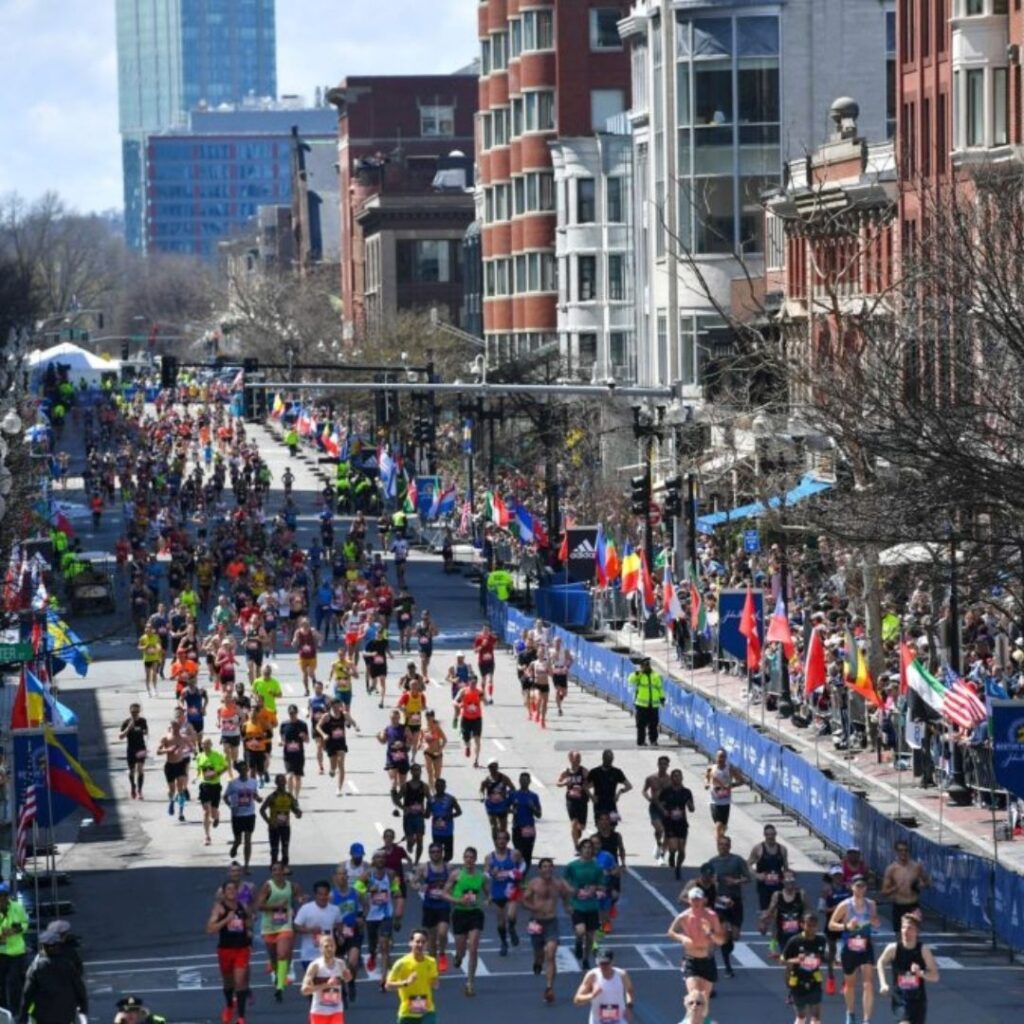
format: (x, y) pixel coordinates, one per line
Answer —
(495, 509)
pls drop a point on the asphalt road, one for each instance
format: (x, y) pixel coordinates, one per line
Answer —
(142, 883)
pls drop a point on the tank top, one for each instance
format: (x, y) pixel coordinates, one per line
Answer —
(674, 801)
(496, 795)
(471, 705)
(857, 940)
(502, 875)
(379, 890)
(770, 865)
(721, 786)
(327, 1000)
(233, 935)
(788, 915)
(442, 823)
(574, 782)
(909, 985)
(468, 891)
(277, 910)
(334, 726)
(414, 797)
(435, 879)
(349, 906)
(608, 1004)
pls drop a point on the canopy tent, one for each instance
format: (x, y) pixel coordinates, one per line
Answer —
(807, 488)
(82, 365)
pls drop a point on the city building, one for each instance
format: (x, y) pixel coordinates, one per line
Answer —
(405, 155)
(205, 183)
(315, 199)
(724, 95)
(548, 72)
(174, 56)
(264, 248)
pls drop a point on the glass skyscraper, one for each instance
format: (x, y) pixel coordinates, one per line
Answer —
(177, 55)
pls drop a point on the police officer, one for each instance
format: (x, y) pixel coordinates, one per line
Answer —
(132, 1010)
(648, 697)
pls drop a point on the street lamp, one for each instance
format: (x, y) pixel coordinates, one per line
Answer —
(11, 423)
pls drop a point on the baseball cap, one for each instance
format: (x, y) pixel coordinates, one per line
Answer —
(493, 763)
(130, 1003)
(696, 893)
(50, 936)
(606, 956)
(461, 654)
(858, 879)
(836, 869)
(707, 869)
(357, 848)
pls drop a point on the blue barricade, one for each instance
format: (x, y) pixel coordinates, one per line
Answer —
(567, 606)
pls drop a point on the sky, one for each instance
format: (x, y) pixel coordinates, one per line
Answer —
(58, 110)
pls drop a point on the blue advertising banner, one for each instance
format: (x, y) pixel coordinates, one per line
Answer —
(1007, 724)
(426, 488)
(29, 751)
(730, 611)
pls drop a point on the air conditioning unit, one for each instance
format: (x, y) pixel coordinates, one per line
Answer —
(622, 373)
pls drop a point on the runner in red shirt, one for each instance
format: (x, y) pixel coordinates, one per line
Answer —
(469, 704)
(484, 645)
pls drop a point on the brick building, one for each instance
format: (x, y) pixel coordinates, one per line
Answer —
(549, 71)
(395, 133)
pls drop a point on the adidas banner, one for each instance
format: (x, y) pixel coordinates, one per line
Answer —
(582, 544)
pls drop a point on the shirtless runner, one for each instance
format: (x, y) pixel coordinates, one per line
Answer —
(653, 785)
(540, 899)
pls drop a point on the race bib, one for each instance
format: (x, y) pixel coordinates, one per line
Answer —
(586, 893)
(469, 898)
(494, 797)
(535, 928)
(676, 813)
(398, 755)
(609, 1013)
(378, 659)
(810, 963)
(379, 898)
(424, 641)
(347, 931)
(280, 915)
(771, 878)
(719, 793)
(908, 981)
(789, 925)
(439, 824)
(528, 831)
(414, 809)
(337, 734)
(282, 818)
(293, 746)
(575, 793)
(330, 996)
(857, 943)
(418, 1004)
(236, 924)
(209, 773)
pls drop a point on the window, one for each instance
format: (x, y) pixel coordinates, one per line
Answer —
(587, 350)
(499, 51)
(586, 278)
(925, 23)
(940, 26)
(974, 102)
(520, 280)
(540, 191)
(500, 120)
(661, 370)
(437, 121)
(586, 204)
(926, 136)
(485, 128)
(604, 29)
(485, 57)
(714, 216)
(429, 261)
(538, 30)
(517, 118)
(515, 38)
(638, 58)
(1000, 120)
(890, 74)
(940, 134)
(614, 190)
(616, 277)
(605, 103)
(539, 111)
(617, 348)
(975, 7)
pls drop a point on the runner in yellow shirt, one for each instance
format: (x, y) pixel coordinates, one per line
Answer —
(414, 978)
(268, 689)
(152, 648)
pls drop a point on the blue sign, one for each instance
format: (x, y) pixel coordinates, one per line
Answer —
(751, 541)
(730, 612)
(426, 487)
(467, 436)
(29, 748)
(1008, 744)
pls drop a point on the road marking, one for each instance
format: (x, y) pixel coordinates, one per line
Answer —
(189, 978)
(499, 744)
(947, 963)
(633, 873)
(746, 957)
(565, 962)
(351, 785)
(655, 959)
(481, 967)
(540, 785)
(379, 827)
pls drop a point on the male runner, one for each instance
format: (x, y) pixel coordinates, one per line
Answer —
(673, 801)
(465, 892)
(444, 809)
(210, 766)
(913, 964)
(731, 874)
(577, 795)
(242, 795)
(504, 868)
(431, 879)
(698, 930)
(414, 797)
(540, 900)
(804, 954)
(653, 785)
(608, 990)
(294, 737)
(276, 811)
(584, 877)
(415, 977)
(902, 883)
(135, 730)
(496, 793)
(469, 707)
(526, 811)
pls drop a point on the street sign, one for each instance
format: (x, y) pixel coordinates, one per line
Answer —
(751, 541)
(655, 514)
(20, 651)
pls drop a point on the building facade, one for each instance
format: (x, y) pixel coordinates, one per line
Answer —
(548, 71)
(206, 183)
(398, 139)
(724, 94)
(173, 56)
(315, 201)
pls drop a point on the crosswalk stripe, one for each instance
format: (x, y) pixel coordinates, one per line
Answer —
(947, 963)
(655, 958)
(565, 962)
(746, 957)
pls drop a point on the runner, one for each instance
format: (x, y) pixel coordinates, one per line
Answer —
(469, 707)
(607, 785)
(526, 653)
(610, 855)
(306, 641)
(526, 811)
(496, 793)
(833, 892)
(193, 701)
(444, 809)
(434, 742)
(673, 801)
(268, 689)
(351, 904)
(316, 708)
(608, 990)
(698, 930)
(504, 868)
(314, 919)
(483, 644)
(395, 738)
(323, 981)
(256, 741)
(856, 917)
(561, 662)
(294, 737)
(465, 892)
(902, 883)
(540, 686)
(719, 780)
(731, 874)
(768, 860)
(135, 730)
(913, 964)
(229, 721)
(341, 675)
(425, 633)
(458, 678)
(413, 703)
(653, 785)
(231, 922)
(584, 877)
(574, 780)
(415, 978)
(414, 797)
(803, 955)
(177, 745)
(242, 795)
(275, 902)
(332, 730)
(395, 859)
(210, 766)
(404, 606)
(540, 900)
(784, 914)
(381, 888)
(276, 810)
(377, 650)
(152, 657)
(430, 879)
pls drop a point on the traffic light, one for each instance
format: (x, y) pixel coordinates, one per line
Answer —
(639, 494)
(423, 430)
(169, 371)
(673, 497)
(126, 350)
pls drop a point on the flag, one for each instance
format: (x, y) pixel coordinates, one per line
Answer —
(304, 423)
(443, 503)
(907, 658)
(466, 518)
(332, 443)
(600, 553)
(388, 472)
(778, 628)
(26, 816)
(646, 583)
(672, 610)
(563, 547)
(35, 704)
(525, 524)
(962, 694)
(698, 614)
(65, 645)
(748, 628)
(612, 566)
(495, 509)
(815, 675)
(856, 674)
(67, 777)
(62, 523)
(630, 570)
(239, 382)
(277, 409)
(939, 698)
(412, 494)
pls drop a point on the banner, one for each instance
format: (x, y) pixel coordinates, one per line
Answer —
(1007, 724)
(730, 611)
(582, 541)
(29, 749)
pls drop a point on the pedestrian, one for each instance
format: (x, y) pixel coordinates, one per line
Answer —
(607, 785)
(53, 987)
(275, 902)
(242, 796)
(913, 965)
(731, 874)
(648, 698)
(584, 877)
(540, 900)
(466, 891)
(415, 978)
(135, 730)
(13, 926)
(318, 917)
(608, 990)
(231, 921)
(276, 810)
(768, 860)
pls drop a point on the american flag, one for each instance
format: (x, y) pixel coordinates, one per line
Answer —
(466, 519)
(962, 706)
(26, 816)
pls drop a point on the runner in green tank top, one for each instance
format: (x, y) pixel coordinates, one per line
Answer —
(275, 902)
(466, 893)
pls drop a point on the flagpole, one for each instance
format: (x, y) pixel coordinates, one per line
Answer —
(35, 869)
(51, 850)
(718, 654)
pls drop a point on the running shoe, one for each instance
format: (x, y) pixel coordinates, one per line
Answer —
(442, 963)
(371, 963)
(549, 995)
(830, 987)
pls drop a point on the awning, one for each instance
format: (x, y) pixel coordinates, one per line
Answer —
(807, 488)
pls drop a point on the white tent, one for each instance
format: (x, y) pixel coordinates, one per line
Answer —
(81, 364)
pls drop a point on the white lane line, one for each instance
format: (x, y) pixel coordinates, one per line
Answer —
(481, 967)
(655, 958)
(565, 962)
(947, 963)
(634, 874)
(746, 957)
(540, 785)
(189, 978)
(351, 785)
(499, 744)
(379, 827)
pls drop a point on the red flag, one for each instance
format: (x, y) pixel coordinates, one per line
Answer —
(907, 658)
(815, 675)
(748, 628)
(563, 548)
(778, 629)
(19, 710)
(646, 582)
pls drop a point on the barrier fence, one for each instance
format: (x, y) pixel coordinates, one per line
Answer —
(971, 890)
